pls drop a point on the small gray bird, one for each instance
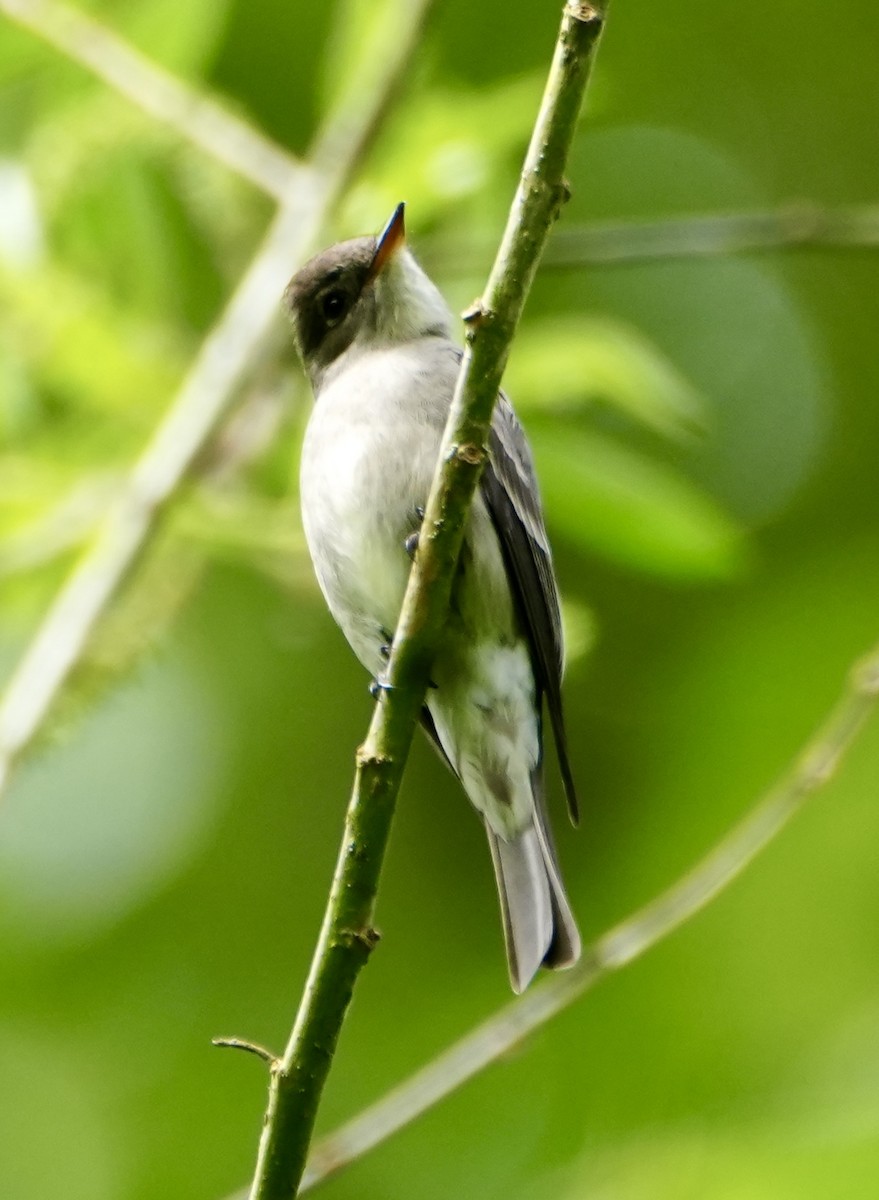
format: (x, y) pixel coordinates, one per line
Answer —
(375, 338)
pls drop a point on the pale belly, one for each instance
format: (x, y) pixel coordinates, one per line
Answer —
(357, 512)
(366, 468)
(367, 463)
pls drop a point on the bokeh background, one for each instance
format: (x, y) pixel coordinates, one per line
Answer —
(707, 435)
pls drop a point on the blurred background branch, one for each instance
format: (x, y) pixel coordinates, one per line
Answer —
(800, 224)
(225, 357)
(235, 142)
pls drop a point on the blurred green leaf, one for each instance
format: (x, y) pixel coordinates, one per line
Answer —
(137, 813)
(182, 37)
(575, 361)
(446, 145)
(639, 513)
(85, 1132)
(128, 227)
(580, 627)
(63, 526)
(738, 1163)
(79, 346)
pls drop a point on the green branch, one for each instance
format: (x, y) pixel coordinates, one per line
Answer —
(347, 936)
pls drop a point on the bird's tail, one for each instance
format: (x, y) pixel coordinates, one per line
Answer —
(539, 927)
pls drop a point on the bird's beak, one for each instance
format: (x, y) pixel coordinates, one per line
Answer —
(391, 238)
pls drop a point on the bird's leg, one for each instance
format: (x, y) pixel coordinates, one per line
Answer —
(380, 685)
(410, 545)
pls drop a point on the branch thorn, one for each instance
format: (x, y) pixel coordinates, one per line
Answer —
(234, 1043)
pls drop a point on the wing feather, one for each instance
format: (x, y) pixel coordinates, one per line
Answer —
(509, 487)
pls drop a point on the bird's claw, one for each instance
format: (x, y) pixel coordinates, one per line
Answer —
(411, 543)
(378, 687)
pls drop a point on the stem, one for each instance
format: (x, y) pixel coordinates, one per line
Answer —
(347, 936)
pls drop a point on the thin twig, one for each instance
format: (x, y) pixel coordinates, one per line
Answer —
(812, 769)
(203, 400)
(236, 1043)
(799, 224)
(347, 935)
(225, 357)
(197, 117)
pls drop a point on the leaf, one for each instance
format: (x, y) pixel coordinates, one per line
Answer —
(445, 146)
(77, 344)
(635, 512)
(183, 37)
(579, 361)
(127, 226)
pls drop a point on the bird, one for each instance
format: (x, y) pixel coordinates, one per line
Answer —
(375, 339)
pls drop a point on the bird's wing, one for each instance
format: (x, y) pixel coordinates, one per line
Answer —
(509, 488)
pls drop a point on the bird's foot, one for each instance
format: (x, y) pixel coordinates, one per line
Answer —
(411, 543)
(378, 686)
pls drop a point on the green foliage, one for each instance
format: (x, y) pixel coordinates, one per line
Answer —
(705, 433)
(610, 500)
(561, 362)
(606, 496)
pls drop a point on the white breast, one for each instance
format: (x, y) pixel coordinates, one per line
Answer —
(367, 462)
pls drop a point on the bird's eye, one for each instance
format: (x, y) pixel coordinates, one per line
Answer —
(333, 305)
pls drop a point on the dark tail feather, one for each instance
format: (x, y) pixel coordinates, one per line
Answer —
(539, 927)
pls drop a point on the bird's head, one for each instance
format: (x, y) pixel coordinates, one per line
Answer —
(362, 293)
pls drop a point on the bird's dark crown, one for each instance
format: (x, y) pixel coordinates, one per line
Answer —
(321, 295)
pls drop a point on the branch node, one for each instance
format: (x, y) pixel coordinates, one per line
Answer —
(475, 314)
(581, 11)
(367, 939)
(365, 757)
(469, 453)
(865, 677)
(234, 1043)
(817, 769)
